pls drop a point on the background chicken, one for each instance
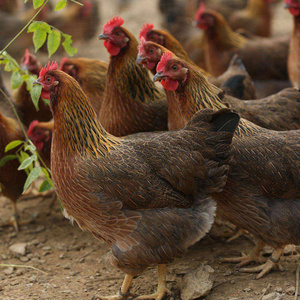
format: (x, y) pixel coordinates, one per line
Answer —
(263, 185)
(90, 74)
(132, 103)
(125, 204)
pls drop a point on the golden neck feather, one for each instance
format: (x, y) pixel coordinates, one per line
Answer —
(257, 7)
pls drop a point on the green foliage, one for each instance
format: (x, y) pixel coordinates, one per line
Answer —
(60, 5)
(53, 41)
(7, 158)
(37, 3)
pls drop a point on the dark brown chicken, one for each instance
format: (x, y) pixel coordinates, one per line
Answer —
(263, 58)
(294, 53)
(11, 180)
(262, 193)
(22, 96)
(132, 103)
(255, 18)
(140, 196)
(90, 74)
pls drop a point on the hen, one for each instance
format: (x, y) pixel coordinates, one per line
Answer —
(90, 74)
(140, 196)
(11, 180)
(132, 103)
(294, 54)
(263, 58)
(255, 18)
(262, 193)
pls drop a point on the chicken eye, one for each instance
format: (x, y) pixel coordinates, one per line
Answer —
(151, 51)
(118, 33)
(48, 79)
(174, 67)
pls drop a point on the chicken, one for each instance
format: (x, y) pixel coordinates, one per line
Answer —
(294, 53)
(255, 18)
(81, 22)
(139, 196)
(9, 6)
(11, 180)
(263, 58)
(90, 74)
(22, 96)
(262, 193)
(132, 103)
(150, 54)
(40, 133)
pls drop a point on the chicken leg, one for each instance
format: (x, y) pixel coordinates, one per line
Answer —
(161, 289)
(123, 292)
(247, 259)
(265, 268)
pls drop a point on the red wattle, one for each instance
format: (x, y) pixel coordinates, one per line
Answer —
(151, 65)
(295, 11)
(112, 49)
(45, 95)
(170, 84)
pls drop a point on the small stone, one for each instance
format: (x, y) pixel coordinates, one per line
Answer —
(24, 259)
(67, 266)
(46, 253)
(14, 283)
(9, 271)
(290, 290)
(30, 255)
(197, 283)
(272, 296)
(279, 289)
(46, 248)
(19, 272)
(247, 290)
(35, 242)
(228, 272)
(62, 256)
(81, 260)
(42, 261)
(4, 257)
(32, 279)
(18, 249)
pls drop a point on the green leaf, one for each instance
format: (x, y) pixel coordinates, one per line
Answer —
(33, 175)
(35, 94)
(37, 3)
(13, 145)
(33, 26)
(45, 186)
(53, 41)
(27, 162)
(16, 80)
(39, 38)
(25, 1)
(7, 158)
(30, 147)
(67, 45)
(60, 5)
(46, 27)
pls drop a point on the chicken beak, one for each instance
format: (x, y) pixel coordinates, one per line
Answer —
(37, 82)
(140, 59)
(159, 77)
(103, 36)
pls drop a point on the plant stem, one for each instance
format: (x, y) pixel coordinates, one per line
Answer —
(24, 27)
(77, 2)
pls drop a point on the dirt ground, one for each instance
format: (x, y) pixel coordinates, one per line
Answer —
(70, 264)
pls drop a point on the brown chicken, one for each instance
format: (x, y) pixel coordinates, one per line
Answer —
(255, 18)
(9, 6)
(139, 196)
(294, 54)
(263, 58)
(22, 96)
(150, 54)
(262, 193)
(11, 180)
(40, 133)
(90, 74)
(132, 103)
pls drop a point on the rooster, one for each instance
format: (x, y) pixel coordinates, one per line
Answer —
(132, 103)
(294, 54)
(145, 198)
(263, 58)
(91, 75)
(255, 18)
(262, 194)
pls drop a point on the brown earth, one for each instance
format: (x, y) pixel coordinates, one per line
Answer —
(73, 262)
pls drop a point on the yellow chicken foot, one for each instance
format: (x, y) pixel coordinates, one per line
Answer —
(13, 220)
(237, 233)
(123, 292)
(254, 255)
(265, 268)
(162, 287)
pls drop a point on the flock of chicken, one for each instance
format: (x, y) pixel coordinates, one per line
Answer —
(144, 168)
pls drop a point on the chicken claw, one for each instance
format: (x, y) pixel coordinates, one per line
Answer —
(254, 255)
(268, 266)
(161, 289)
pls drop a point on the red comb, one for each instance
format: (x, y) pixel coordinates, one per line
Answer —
(49, 67)
(62, 62)
(26, 57)
(145, 29)
(200, 10)
(32, 126)
(113, 23)
(142, 45)
(163, 61)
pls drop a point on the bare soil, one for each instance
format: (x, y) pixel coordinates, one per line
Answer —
(73, 262)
